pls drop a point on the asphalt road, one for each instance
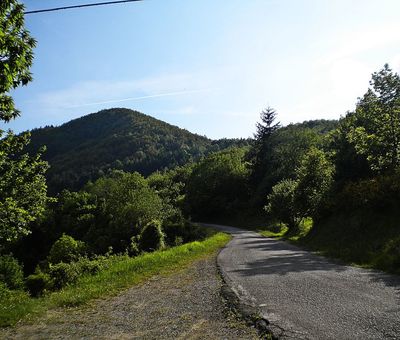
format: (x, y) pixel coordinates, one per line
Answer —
(305, 296)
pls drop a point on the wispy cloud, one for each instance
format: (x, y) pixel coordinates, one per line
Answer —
(167, 94)
(97, 93)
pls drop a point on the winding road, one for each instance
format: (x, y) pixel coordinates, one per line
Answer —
(305, 296)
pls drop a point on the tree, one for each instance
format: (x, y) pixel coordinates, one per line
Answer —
(287, 146)
(314, 179)
(22, 187)
(16, 55)
(349, 164)
(290, 200)
(267, 126)
(218, 184)
(125, 204)
(281, 203)
(22, 183)
(375, 125)
(260, 153)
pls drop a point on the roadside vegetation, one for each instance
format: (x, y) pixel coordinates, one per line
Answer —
(104, 276)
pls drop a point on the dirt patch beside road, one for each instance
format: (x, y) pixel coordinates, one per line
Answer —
(184, 305)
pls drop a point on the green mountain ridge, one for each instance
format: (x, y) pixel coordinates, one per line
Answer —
(86, 148)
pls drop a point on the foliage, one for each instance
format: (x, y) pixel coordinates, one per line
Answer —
(217, 184)
(126, 204)
(286, 148)
(362, 235)
(315, 177)
(278, 155)
(281, 203)
(389, 258)
(11, 273)
(170, 186)
(267, 126)
(117, 139)
(22, 184)
(378, 193)
(22, 187)
(180, 233)
(66, 249)
(63, 274)
(119, 273)
(349, 165)
(290, 201)
(260, 151)
(16, 55)
(38, 283)
(152, 237)
(13, 304)
(375, 131)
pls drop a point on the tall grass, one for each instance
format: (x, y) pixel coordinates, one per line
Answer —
(122, 273)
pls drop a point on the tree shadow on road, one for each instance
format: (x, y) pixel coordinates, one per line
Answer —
(280, 258)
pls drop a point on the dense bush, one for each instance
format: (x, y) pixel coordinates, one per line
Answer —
(66, 249)
(389, 259)
(38, 283)
(152, 237)
(11, 273)
(64, 273)
(88, 266)
(381, 192)
(178, 233)
(281, 203)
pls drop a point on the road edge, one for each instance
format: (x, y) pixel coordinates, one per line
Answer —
(242, 307)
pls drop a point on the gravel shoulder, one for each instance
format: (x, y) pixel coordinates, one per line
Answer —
(183, 305)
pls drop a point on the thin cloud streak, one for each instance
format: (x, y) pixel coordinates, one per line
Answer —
(177, 93)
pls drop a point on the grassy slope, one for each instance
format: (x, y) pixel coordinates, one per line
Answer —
(122, 273)
(369, 239)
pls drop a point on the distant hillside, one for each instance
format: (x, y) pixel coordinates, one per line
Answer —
(320, 126)
(86, 148)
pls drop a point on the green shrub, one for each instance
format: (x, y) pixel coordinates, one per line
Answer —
(152, 237)
(281, 204)
(11, 273)
(179, 233)
(63, 274)
(389, 259)
(4, 291)
(66, 249)
(133, 248)
(87, 266)
(38, 283)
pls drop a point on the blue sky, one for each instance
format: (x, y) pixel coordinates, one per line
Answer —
(207, 66)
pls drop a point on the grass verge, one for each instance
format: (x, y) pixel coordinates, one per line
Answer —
(122, 273)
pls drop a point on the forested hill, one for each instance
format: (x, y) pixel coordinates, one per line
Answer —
(86, 148)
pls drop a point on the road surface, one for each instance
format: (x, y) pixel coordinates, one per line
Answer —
(305, 296)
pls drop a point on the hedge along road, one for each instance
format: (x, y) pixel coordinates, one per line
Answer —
(305, 296)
